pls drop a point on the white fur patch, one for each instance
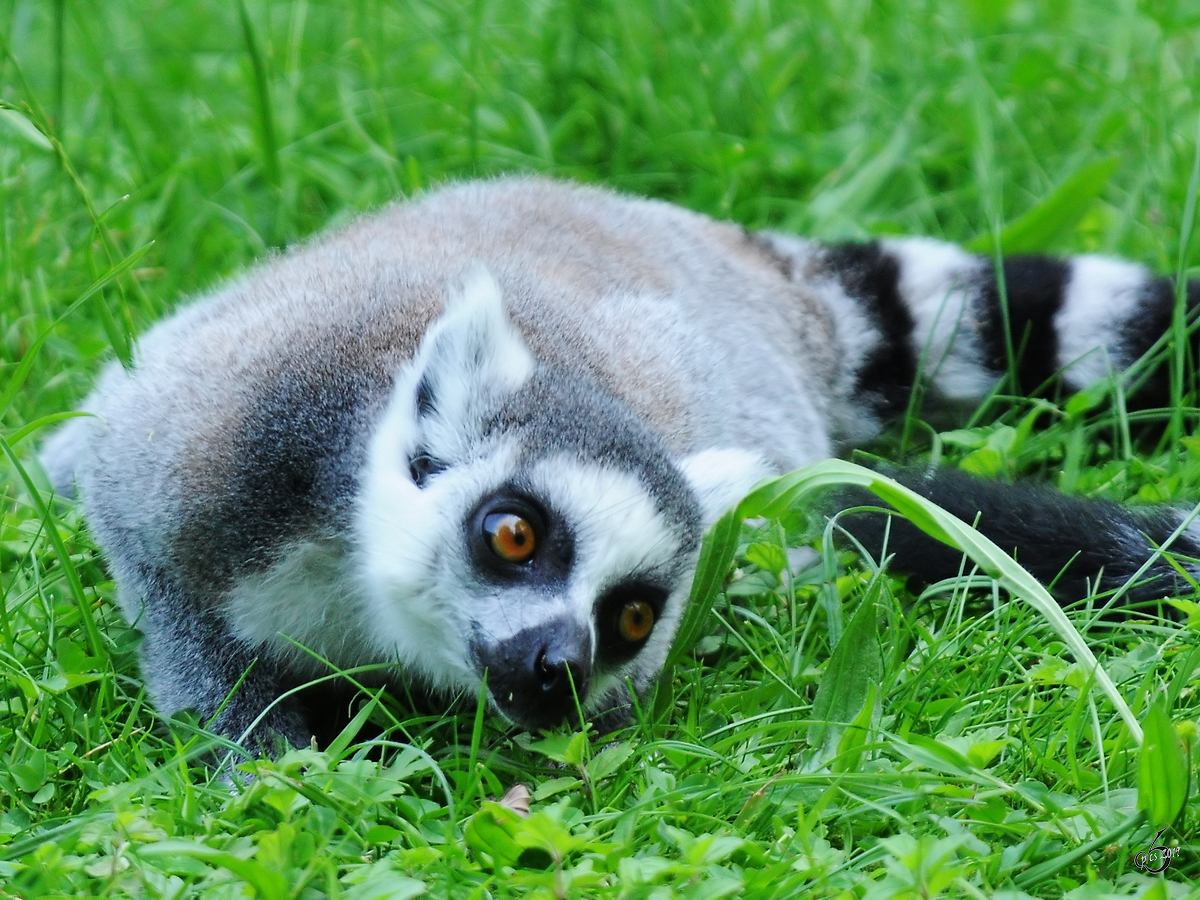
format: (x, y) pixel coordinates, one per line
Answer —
(413, 560)
(937, 285)
(857, 337)
(721, 478)
(469, 357)
(1102, 296)
(617, 526)
(474, 335)
(310, 596)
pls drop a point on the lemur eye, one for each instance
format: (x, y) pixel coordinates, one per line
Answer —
(625, 615)
(635, 621)
(511, 537)
(422, 466)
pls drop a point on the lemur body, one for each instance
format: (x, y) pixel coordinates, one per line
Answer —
(484, 431)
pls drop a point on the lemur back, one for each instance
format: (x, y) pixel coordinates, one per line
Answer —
(483, 431)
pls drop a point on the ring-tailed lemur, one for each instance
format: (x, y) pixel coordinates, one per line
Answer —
(484, 431)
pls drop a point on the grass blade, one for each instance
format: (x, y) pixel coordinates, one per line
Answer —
(91, 630)
(22, 371)
(854, 670)
(262, 90)
(773, 498)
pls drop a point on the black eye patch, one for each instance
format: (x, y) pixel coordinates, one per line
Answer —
(514, 538)
(625, 620)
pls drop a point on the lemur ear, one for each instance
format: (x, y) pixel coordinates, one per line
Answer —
(721, 478)
(470, 354)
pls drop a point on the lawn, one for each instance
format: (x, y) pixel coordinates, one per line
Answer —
(149, 150)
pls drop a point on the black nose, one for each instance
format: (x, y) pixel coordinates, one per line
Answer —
(556, 673)
(540, 676)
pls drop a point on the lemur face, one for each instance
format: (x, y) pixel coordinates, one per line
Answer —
(518, 526)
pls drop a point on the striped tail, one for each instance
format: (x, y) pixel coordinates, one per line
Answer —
(916, 308)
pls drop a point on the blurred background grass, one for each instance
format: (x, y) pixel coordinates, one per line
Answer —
(216, 132)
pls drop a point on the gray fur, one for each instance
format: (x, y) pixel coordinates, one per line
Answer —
(232, 477)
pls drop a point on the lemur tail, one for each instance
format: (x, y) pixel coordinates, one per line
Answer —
(917, 307)
(1076, 546)
(921, 309)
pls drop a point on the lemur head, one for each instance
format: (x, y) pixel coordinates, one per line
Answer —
(519, 522)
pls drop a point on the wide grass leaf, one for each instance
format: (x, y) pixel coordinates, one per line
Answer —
(1056, 214)
(16, 122)
(266, 882)
(1162, 769)
(851, 678)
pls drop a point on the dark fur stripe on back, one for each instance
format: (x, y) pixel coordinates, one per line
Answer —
(872, 276)
(1034, 290)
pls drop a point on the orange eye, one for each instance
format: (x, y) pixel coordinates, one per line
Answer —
(635, 621)
(511, 537)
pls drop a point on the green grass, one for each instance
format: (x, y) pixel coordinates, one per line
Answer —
(147, 150)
